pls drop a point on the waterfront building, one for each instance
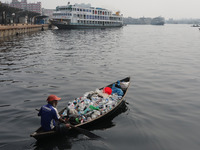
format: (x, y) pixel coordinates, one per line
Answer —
(47, 12)
(34, 7)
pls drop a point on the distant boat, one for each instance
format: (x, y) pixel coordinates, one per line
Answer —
(82, 16)
(158, 21)
(196, 25)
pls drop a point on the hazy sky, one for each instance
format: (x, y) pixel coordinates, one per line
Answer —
(176, 9)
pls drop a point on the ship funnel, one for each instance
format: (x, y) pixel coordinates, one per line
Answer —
(117, 13)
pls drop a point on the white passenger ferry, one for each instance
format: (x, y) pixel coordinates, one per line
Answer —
(82, 16)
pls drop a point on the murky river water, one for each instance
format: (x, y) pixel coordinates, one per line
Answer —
(164, 98)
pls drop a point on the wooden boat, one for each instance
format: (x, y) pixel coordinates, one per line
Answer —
(40, 134)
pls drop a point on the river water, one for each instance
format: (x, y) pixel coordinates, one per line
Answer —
(162, 61)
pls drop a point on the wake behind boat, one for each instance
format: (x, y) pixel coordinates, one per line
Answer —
(91, 108)
(83, 16)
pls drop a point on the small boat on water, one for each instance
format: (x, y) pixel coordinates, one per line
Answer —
(83, 16)
(195, 25)
(158, 21)
(94, 107)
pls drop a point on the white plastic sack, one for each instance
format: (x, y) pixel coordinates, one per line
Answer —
(124, 85)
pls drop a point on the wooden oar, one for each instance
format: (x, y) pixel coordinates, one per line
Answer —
(86, 132)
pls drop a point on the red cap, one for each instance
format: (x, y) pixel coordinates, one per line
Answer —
(52, 98)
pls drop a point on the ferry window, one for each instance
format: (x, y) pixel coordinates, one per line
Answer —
(83, 9)
(80, 9)
(77, 9)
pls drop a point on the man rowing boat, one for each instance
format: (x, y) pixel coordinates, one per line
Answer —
(50, 119)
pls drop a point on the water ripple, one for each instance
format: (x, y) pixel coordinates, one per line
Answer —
(163, 96)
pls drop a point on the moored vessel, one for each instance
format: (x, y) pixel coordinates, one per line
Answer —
(83, 16)
(158, 21)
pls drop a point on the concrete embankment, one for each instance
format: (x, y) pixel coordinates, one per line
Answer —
(12, 30)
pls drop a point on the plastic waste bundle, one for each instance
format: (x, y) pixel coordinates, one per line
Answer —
(94, 103)
(107, 90)
(124, 85)
(117, 89)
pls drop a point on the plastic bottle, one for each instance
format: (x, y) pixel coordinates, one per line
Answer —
(97, 112)
(77, 120)
(89, 118)
(82, 105)
(86, 110)
(64, 112)
(74, 102)
(93, 108)
(93, 116)
(84, 119)
(87, 101)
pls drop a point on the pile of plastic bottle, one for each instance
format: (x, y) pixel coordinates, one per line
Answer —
(91, 105)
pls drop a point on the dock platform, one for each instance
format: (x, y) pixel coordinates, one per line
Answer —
(16, 29)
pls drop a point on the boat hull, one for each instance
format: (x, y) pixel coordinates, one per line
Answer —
(159, 23)
(40, 135)
(83, 26)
